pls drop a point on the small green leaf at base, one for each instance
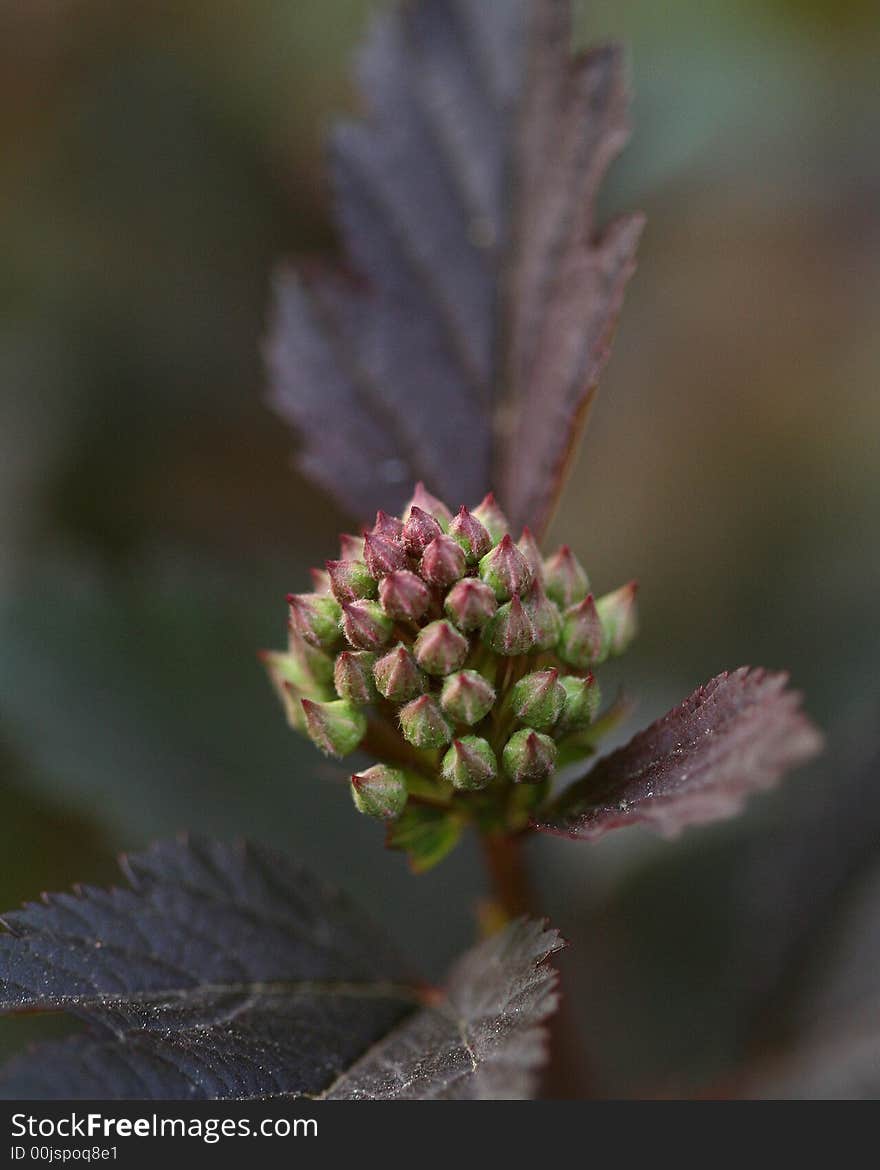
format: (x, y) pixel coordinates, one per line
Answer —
(425, 833)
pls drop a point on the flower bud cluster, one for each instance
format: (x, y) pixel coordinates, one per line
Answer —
(451, 652)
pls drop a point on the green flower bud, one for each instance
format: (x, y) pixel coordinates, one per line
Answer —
(350, 580)
(510, 631)
(469, 764)
(404, 595)
(284, 676)
(304, 667)
(366, 624)
(469, 533)
(505, 570)
(430, 504)
(545, 617)
(492, 518)
(470, 603)
(315, 617)
(336, 728)
(419, 530)
(443, 562)
(440, 648)
(398, 677)
(582, 698)
(467, 696)
(619, 617)
(565, 579)
(529, 757)
(423, 724)
(538, 699)
(380, 792)
(353, 676)
(528, 546)
(582, 639)
(383, 555)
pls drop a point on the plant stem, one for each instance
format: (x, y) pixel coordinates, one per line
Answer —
(566, 1076)
(507, 874)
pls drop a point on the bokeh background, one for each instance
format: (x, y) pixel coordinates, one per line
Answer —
(156, 161)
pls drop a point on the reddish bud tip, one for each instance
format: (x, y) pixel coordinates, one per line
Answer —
(565, 578)
(505, 570)
(423, 723)
(419, 530)
(388, 526)
(398, 676)
(470, 603)
(366, 625)
(440, 648)
(467, 531)
(423, 499)
(404, 596)
(350, 580)
(383, 555)
(581, 641)
(443, 562)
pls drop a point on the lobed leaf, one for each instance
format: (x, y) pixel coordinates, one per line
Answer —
(736, 734)
(464, 344)
(228, 972)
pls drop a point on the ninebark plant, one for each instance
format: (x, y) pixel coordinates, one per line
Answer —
(455, 355)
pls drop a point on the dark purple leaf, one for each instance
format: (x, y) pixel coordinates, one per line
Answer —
(737, 734)
(466, 345)
(229, 972)
(486, 1041)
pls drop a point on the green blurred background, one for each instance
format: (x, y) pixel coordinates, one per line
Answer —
(156, 161)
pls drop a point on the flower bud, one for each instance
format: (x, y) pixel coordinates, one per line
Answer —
(467, 696)
(582, 698)
(423, 724)
(545, 617)
(510, 631)
(430, 504)
(315, 664)
(565, 579)
(528, 546)
(469, 533)
(470, 603)
(351, 548)
(419, 530)
(315, 617)
(380, 792)
(404, 596)
(320, 580)
(304, 667)
(350, 580)
(469, 764)
(366, 625)
(353, 676)
(290, 683)
(538, 699)
(619, 617)
(387, 526)
(492, 518)
(505, 570)
(398, 677)
(336, 728)
(443, 562)
(440, 648)
(383, 555)
(582, 640)
(529, 757)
